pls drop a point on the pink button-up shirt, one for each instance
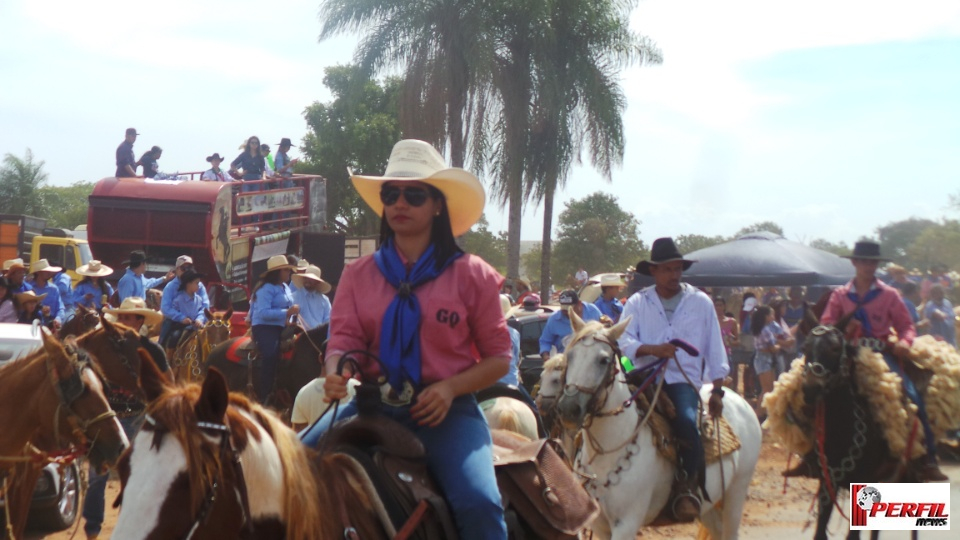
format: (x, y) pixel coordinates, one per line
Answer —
(885, 311)
(461, 318)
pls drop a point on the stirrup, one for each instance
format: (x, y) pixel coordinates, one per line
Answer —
(681, 496)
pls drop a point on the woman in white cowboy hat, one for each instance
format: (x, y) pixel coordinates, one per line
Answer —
(432, 314)
(30, 308)
(270, 310)
(93, 291)
(43, 273)
(311, 296)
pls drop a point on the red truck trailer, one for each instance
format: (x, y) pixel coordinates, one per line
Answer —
(229, 234)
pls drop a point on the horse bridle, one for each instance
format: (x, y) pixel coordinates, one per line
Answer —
(594, 393)
(68, 391)
(816, 368)
(228, 454)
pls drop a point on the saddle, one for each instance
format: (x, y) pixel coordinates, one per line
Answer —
(716, 443)
(542, 497)
(244, 351)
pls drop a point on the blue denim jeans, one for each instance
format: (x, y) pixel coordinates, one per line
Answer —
(911, 391)
(460, 457)
(686, 399)
(93, 504)
(267, 338)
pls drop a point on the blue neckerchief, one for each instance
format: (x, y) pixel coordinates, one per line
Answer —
(860, 314)
(400, 328)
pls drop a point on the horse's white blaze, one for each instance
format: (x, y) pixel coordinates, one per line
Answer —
(265, 481)
(152, 473)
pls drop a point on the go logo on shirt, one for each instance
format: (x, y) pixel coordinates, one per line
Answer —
(451, 318)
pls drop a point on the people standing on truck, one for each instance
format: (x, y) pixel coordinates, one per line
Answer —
(149, 162)
(8, 311)
(133, 282)
(15, 271)
(250, 164)
(31, 308)
(432, 315)
(311, 296)
(215, 173)
(268, 165)
(42, 272)
(187, 307)
(126, 161)
(271, 308)
(284, 165)
(170, 292)
(93, 291)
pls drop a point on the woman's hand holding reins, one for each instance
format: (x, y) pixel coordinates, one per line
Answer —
(433, 404)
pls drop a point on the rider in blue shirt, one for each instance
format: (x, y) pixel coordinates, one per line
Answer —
(608, 303)
(170, 313)
(133, 282)
(558, 325)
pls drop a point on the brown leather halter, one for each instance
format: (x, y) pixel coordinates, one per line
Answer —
(68, 391)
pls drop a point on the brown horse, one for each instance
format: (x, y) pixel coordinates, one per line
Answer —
(190, 354)
(209, 464)
(52, 398)
(119, 352)
(84, 319)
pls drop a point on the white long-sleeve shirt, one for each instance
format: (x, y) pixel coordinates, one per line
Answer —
(694, 321)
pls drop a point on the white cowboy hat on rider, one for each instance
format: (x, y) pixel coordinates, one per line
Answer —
(312, 273)
(10, 263)
(136, 306)
(43, 266)
(612, 280)
(277, 262)
(417, 161)
(95, 268)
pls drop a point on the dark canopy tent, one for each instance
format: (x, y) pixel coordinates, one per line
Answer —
(761, 259)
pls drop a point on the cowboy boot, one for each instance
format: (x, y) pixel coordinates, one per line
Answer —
(686, 500)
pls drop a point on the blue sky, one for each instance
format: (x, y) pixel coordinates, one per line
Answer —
(828, 117)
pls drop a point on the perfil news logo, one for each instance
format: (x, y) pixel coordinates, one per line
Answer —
(900, 507)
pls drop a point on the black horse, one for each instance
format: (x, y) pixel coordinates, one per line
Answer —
(304, 365)
(849, 445)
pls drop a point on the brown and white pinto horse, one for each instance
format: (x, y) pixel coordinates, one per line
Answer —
(210, 464)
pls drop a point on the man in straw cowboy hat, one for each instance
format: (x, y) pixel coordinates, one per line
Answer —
(876, 308)
(311, 296)
(607, 302)
(432, 314)
(668, 310)
(170, 292)
(42, 272)
(133, 312)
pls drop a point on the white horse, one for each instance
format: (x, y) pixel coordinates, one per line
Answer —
(630, 479)
(510, 415)
(551, 387)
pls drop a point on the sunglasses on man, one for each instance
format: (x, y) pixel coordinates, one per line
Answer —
(415, 196)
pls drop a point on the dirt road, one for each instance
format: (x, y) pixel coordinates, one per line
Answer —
(770, 512)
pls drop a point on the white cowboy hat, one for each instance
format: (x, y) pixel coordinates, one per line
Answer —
(43, 266)
(95, 268)
(29, 296)
(417, 161)
(612, 280)
(277, 262)
(313, 274)
(10, 263)
(136, 306)
(302, 266)
(506, 306)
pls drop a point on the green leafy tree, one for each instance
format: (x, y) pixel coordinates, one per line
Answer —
(768, 226)
(897, 237)
(597, 234)
(688, 243)
(357, 129)
(578, 102)
(939, 243)
(20, 183)
(66, 206)
(482, 242)
(530, 264)
(840, 248)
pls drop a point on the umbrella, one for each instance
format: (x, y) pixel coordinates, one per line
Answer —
(762, 259)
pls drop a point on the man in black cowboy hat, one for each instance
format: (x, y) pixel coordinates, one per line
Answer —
(665, 311)
(876, 307)
(215, 173)
(282, 161)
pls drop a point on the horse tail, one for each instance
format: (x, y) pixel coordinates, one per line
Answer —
(301, 495)
(509, 420)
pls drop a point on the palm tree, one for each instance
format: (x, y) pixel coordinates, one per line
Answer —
(20, 183)
(579, 102)
(441, 47)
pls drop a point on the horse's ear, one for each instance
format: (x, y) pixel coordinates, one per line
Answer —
(575, 321)
(617, 330)
(107, 325)
(228, 314)
(841, 324)
(54, 351)
(208, 314)
(214, 398)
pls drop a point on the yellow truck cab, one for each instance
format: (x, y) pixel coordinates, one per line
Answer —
(28, 238)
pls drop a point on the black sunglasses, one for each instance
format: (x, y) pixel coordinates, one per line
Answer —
(415, 196)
